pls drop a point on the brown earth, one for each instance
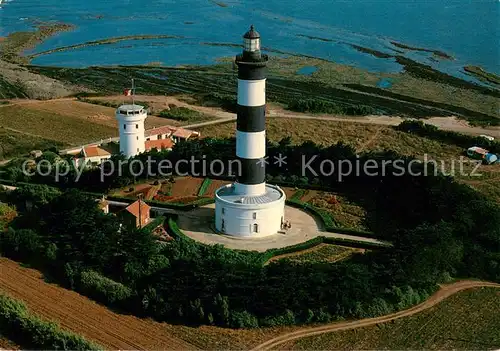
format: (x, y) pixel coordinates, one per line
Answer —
(80, 315)
(186, 186)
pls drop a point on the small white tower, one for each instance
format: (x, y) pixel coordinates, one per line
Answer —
(131, 125)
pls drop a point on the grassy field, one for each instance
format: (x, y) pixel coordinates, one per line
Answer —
(14, 144)
(466, 321)
(322, 253)
(72, 129)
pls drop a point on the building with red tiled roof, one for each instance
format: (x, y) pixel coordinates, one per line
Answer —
(159, 144)
(183, 134)
(159, 133)
(136, 215)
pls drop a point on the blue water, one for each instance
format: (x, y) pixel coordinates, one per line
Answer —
(466, 29)
(384, 83)
(307, 70)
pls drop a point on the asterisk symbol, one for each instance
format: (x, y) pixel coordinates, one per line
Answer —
(263, 161)
(280, 160)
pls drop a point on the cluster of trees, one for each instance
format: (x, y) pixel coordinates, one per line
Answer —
(459, 139)
(322, 106)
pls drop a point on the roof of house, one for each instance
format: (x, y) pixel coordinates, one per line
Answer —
(478, 150)
(134, 208)
(183, 133)
(159, 144)
(160, 130)
(93, 151)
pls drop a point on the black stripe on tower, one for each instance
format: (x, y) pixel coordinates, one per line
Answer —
(251, 118)
(253, 171)
(248, 71)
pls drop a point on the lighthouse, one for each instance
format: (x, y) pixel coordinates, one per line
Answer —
(250, 207)
(131, 126)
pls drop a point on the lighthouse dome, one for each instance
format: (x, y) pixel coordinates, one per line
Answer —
(252, 33)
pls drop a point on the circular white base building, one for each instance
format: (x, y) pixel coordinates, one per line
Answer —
(243, 215)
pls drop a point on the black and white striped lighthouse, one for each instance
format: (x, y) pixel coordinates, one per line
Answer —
(250, 207)
(251, 121)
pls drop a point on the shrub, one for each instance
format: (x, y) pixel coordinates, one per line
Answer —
(20, 244)
(243, 320)
(103, 289)
(20, 326)
(322, 106)
(180, 114)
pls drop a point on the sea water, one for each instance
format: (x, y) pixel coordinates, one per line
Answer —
(465, 29)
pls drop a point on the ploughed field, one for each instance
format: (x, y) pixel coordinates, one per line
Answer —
(80, 315)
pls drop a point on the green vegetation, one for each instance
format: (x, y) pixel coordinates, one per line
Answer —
(204, 186)
(481, 74)
(11, 91)
(182, 114)
(322, 254)
(437, 227)
(465, 321)
(31, 332)
(108, 103)
(332, 83)
(17, 42)
(14, 144)
(438, 53)
(461, 140)
(63, 129)
(106, 41)
(320, 106)
(103, 289)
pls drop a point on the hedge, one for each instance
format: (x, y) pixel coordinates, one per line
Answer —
(298, 195)
(155, 223)
(204, 186)
(103, 289)
(176, 232)
(20, 326)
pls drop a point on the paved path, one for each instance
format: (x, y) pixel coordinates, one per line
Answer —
(445, 292)
(198, 225)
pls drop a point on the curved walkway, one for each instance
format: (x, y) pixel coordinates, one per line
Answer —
(445, 292)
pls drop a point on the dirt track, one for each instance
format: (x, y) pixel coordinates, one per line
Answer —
(78, 314)
(445, 292)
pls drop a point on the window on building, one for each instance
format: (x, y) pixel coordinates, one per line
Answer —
(124, 126)
(136, 126)
(255, 215)
(222, 227)
(137, 137)
(256, 228)
(159, 136)
(223, 210)
(148, 139)
(137, 149)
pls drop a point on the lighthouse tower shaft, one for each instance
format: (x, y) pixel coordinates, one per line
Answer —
(250, 208)
(251, 120)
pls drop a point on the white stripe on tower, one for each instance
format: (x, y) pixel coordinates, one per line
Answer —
(251, 92)
(251, 145)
